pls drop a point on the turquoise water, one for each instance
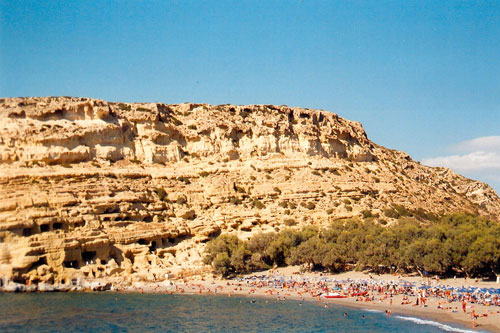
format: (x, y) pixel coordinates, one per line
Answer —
(112, 312)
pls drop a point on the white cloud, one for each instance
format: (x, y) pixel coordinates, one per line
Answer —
(478, 154)
(477, 158)
(475, 161)
(485, 143)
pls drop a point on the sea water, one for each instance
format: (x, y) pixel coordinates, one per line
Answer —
(116, 312)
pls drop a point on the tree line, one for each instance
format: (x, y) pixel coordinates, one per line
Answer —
(458, 244)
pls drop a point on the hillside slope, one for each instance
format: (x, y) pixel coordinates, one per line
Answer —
(95, 189)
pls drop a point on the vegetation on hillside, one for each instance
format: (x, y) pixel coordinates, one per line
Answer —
(458, 244)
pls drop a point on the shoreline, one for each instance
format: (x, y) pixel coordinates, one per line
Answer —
(240, 287)
(425, 313)
(489, 316)
(419, 313)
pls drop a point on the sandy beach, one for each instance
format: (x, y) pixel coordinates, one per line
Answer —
(435, 308)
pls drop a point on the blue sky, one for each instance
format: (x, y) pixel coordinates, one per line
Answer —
(422, 76)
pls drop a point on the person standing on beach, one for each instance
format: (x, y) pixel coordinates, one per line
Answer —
(464, 305)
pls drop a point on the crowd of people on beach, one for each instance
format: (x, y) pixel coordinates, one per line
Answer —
(373, 290)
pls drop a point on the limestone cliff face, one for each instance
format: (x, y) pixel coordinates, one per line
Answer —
(133, 191)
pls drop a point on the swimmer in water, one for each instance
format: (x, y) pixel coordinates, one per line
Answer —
(345, 314)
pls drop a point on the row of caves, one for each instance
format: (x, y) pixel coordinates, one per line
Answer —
(40, 228)
(103, 255)
(100, 261)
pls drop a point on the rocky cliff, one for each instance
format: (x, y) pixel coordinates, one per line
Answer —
(93, 189)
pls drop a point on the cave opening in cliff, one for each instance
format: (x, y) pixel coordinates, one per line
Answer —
(28, 231)
(130, 256)
(141, 242)
(71, 264)
(41, 261)
(152, 247)
(88, 256)
(19, 279)
(103, 262)
(57, 226)
(116, 256)
(44, 227)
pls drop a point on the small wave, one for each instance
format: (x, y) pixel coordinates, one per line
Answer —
(371, 310)
(439, 325)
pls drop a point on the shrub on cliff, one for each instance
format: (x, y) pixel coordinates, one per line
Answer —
(256, 203)
(181, 200)
(238, 189)
(366, 213)
(124, 107)
(162, 195)
(311, 205)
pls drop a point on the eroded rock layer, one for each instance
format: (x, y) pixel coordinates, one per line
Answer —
(92, 189)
